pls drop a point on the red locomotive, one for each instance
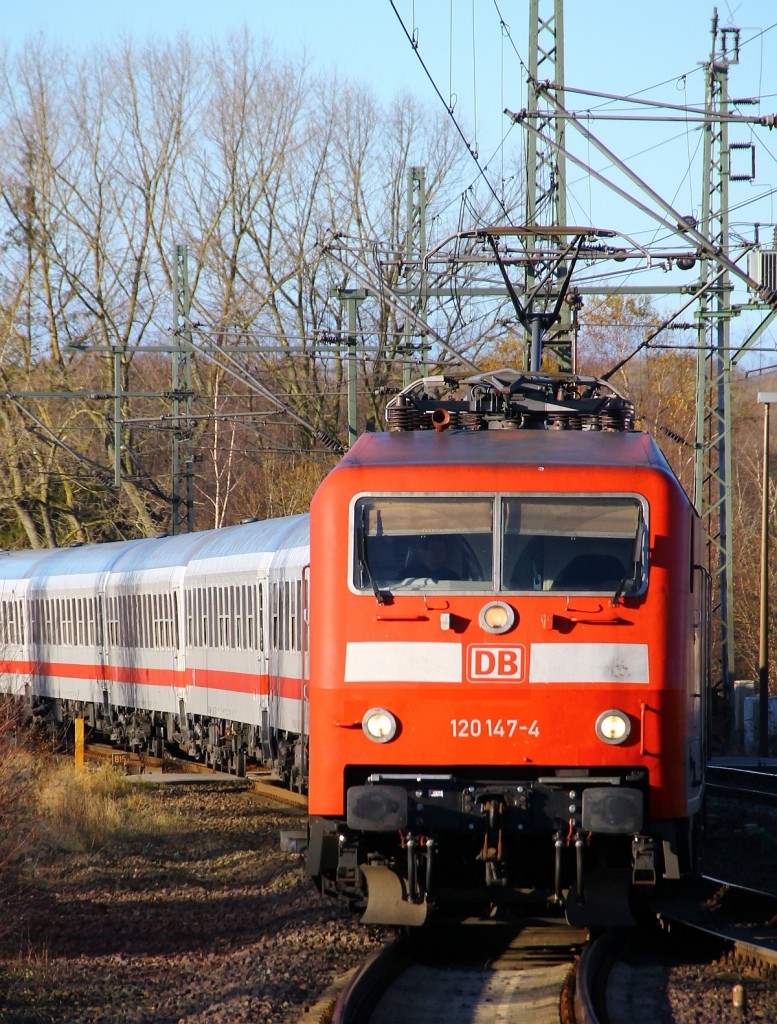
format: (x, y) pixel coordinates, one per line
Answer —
(508, 636)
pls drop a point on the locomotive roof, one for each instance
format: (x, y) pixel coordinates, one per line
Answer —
(506, 447)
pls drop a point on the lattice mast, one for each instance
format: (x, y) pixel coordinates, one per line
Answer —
(712, 482)
(546, 174)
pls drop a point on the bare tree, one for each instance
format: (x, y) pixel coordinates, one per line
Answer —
(252, 161)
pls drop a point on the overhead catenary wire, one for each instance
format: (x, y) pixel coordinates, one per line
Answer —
(234, 369)
(449, 108)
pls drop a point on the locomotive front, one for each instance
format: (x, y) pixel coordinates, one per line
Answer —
(507, 637)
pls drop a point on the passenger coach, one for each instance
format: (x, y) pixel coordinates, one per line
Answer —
(198, 640)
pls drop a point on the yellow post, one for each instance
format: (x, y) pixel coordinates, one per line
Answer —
(79, 723)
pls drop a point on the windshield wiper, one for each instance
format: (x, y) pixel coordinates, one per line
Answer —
(364, 564)
(636, 559)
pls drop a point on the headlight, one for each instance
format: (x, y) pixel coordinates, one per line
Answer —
(496, 617)
(613, 726)
(379, 725)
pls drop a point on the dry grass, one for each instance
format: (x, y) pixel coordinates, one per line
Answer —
(83, 810)
(17, 776)
(47, 805)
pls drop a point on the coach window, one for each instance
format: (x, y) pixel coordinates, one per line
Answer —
(420, 542)
(158, 610)
(123, 614)
(111, 625)
(67, 622)
(202, 617)
(240, 600)
(579, 544)
(34, 623)
(234, 612)
(10, 630)
(292, 598)
(208, 621)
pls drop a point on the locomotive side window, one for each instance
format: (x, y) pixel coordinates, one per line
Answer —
(589, 544)
(417, 542)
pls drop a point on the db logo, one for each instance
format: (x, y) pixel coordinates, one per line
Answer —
(495, 664)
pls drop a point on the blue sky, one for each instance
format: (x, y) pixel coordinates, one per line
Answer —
(652, 49)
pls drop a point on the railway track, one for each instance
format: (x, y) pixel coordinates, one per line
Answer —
(134, 764)
(539, 970)
(740, 823)
(476, 970)
(542, 972)
(743, 918)
(743, 781)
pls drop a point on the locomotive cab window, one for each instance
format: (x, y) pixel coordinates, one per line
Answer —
(587, 544)
(418, 542)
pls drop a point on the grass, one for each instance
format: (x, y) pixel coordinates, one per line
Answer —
(83, 810)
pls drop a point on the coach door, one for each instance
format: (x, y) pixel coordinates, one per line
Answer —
(304, 633)
(274, 650)
(256, 598)
(275, 646)
(102, 640)
(262, 645)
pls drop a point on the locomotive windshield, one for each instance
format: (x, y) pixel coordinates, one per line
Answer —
(414, 542)
(528, 543)
(586, 544)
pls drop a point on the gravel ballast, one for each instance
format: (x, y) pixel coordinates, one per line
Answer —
(204, 919)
